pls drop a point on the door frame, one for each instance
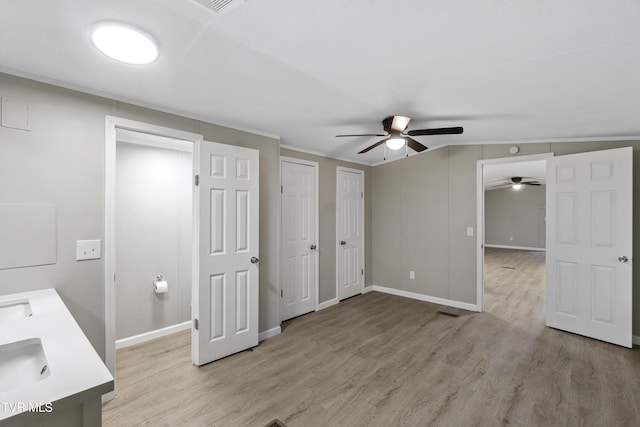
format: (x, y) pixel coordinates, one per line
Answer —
(337, 235)
(111, 124)
(316, 168)
(480, 215)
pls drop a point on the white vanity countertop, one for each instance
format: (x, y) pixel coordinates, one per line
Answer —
(73, 364)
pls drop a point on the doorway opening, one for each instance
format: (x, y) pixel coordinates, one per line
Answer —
(511, 218)
(151, 161)
(153, 231)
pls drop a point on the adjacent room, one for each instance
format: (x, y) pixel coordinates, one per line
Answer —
(283, 213)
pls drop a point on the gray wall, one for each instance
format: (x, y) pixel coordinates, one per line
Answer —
(61, 161)
(153, 236)
(416, 198)
(515, 217)
(327, 243)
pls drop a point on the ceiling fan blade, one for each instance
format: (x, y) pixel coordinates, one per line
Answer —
(371, 147)
(437, 131)
(531, 183)
(363, 134)
(415, 145)
(400, 123)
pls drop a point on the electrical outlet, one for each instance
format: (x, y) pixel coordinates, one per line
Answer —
(87, 249)
(412, 274)
(511, 238)
(469, 231)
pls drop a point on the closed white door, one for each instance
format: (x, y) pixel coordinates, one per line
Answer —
(299, 245)
(225, 294)
(589, 244)
(350, 232)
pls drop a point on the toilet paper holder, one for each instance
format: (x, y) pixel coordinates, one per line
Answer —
(160, 285)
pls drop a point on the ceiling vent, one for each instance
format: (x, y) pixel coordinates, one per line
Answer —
(220, 7)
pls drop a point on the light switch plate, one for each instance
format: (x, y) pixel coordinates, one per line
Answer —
(87, 249)
(412, 274)
(470, 231)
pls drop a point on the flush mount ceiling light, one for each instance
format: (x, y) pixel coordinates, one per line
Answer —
(395, 143)
(124, 43)
(516, 186)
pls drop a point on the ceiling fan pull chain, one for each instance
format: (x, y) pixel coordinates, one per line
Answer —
(384, 157)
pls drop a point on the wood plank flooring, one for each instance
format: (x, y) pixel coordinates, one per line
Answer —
(382, 360)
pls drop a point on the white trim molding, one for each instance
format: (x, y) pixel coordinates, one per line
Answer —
(520, 248)
(152, 335)
(425, 298)
(269, 333)
(367, 289)
(327, 304)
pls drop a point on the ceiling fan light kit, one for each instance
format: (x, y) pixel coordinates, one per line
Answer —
(395, 143)
(396, 137)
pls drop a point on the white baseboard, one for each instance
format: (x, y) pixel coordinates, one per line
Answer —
(426, 298)
(327, 304)
(635, 340)
(269, 333)
(152, 335)
(367, 289)
(521, 248)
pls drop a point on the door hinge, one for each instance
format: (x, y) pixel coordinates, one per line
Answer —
(281, 293)
(281, 189)
(362, 271)
(362, 194)
(195, 324)
(197, 180)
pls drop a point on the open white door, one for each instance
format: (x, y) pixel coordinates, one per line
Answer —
(589, 244)
(350, 232)
(225, 294)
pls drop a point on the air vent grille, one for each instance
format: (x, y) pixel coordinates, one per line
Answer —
(220, 6)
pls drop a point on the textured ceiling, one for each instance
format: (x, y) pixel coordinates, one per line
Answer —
(507, 71)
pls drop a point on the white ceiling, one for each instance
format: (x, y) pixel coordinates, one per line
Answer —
(304, 71)
(499, 173)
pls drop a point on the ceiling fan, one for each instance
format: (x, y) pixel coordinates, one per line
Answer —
(396, 137)
(516, 183)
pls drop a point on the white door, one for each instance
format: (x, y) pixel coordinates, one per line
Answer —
(589, 238)
(350, 232)
(225, 295)
(299, 245)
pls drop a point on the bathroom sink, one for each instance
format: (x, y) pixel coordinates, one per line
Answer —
(21, 363)
(16, 309)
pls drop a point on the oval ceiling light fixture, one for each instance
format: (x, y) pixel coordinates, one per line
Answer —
(124, 43)
(395, 143)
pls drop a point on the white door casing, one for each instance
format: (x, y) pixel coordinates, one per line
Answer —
(350, 232)
(225, 295)
(299, 258)
(589, 236)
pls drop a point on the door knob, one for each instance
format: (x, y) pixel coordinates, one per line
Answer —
(254, 260)
(623, 259)
(342, 243)
(312, 247)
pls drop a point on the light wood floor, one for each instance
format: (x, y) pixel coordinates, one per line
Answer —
(382, 360)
